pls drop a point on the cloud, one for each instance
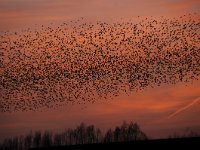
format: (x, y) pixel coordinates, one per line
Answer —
(182, 5)
(23, 12)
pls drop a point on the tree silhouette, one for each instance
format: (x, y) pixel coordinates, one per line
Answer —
(15, 143)
(82, 134)
(37, 139)
(134, 132)
(47, 139)
(99, 135)
(70, 137)
(117, 133)
(124, 131)
(28, 141)
(21, 143)
(57, 139)
(109, 136)
(90, 133)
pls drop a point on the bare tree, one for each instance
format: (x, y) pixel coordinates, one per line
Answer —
(28, 141)
(82, 134)
(21, 143)
(109, 137)
(70, 137)
(124, 131)
(15, 143)
(47, 139)
(134, 132)
(90, 134)
(57, 139)
(117, 133)
(99, 136)
(37, 139)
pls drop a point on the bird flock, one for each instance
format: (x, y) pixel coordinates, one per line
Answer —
(79, 62)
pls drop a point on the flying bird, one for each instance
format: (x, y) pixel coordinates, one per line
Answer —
(76, 63)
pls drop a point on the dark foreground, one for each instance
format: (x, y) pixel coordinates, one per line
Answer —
(186, 143)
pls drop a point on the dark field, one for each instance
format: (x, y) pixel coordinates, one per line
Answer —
(186, 143)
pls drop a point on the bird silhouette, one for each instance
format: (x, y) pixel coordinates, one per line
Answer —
(80, 62)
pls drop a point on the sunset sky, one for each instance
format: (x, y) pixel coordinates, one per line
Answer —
(160, 111)
(16, 14)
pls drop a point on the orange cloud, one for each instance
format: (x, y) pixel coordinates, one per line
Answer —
(182, 5)
(23, 13)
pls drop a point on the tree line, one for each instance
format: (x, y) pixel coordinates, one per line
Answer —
(82, 134)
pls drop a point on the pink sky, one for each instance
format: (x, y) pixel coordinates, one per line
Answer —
(17, 14)
(151, 108)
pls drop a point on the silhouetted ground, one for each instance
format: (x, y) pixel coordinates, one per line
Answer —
(185, 143)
